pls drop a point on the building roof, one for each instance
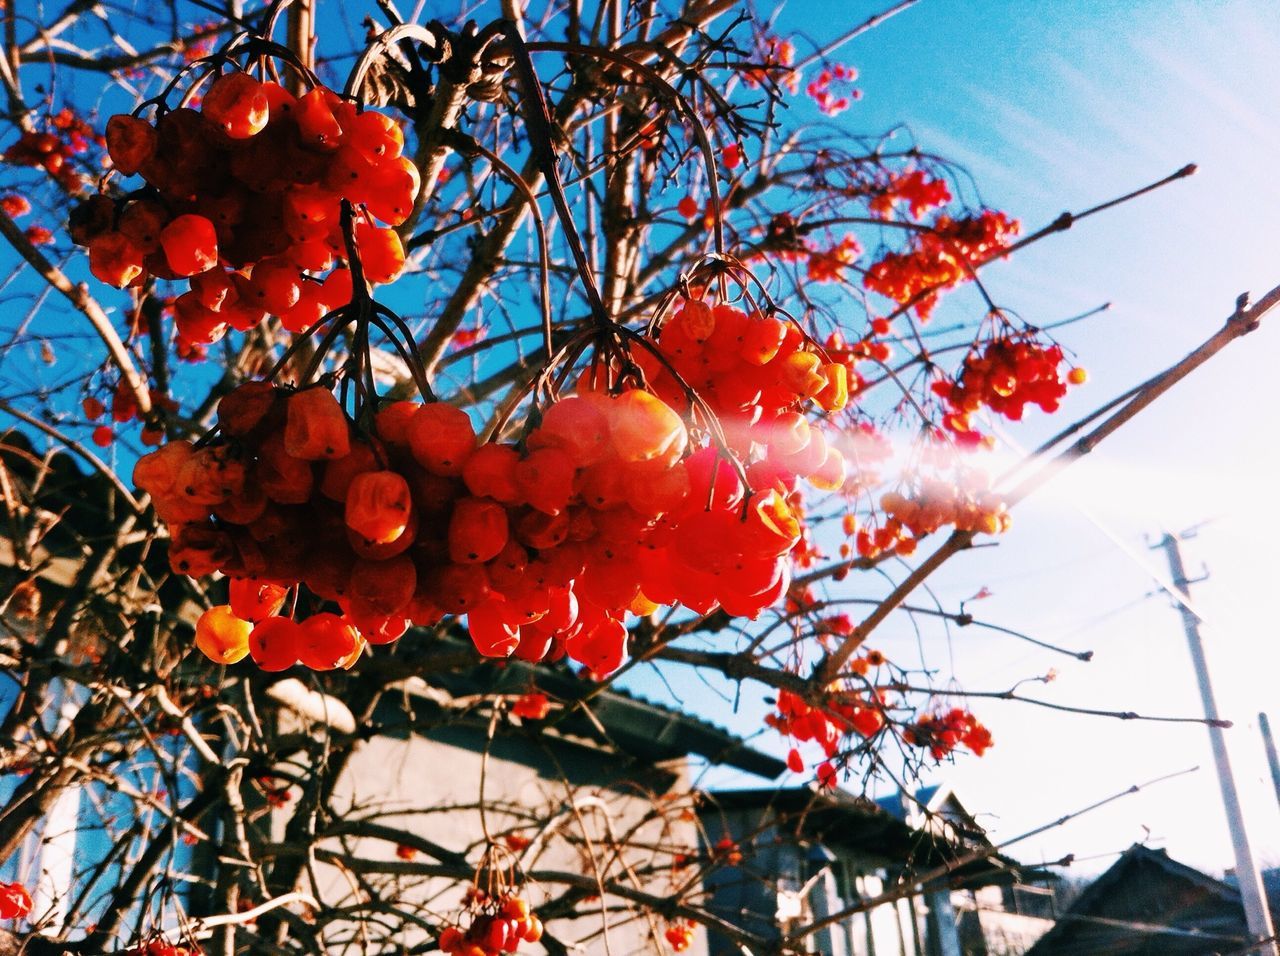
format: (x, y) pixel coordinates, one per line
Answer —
(639, 727)
(900, 804)
(841, 821)
(1148, 903)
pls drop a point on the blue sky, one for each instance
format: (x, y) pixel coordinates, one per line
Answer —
(1056, 106)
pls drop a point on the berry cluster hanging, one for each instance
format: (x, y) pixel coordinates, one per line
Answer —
(243, 198)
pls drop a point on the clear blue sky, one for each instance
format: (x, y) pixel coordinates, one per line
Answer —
(1054, 106)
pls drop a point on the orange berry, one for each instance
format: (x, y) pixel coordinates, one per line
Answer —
(378, 505)
(491, 472)
(190, 245)
(381, 252)
(477, 531)
(114, 259)
(326, 641)
(237, 104)
(130, 142)
(578, 426)
(221, 636)
(545, 480)
(490, 631)
(441, 438)
(274, 643)
(643, 426)
(316, 426)
(255, 600)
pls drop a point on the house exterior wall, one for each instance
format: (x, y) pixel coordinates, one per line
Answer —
(431, 785)
(774, 863)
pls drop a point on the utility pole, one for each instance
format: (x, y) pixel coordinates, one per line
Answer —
(1257, 917)
(1272, 760)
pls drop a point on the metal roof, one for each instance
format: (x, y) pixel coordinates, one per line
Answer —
(636, 726)
(1145, 903)
(839, 820)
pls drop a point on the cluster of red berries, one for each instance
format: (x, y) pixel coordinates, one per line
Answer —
(966, 506)
(544, 550)
(940, 258)
(244, 199)
(758, 374)
(124, 409)
(15, 901)
(775, 55)
(531, 706)
(867, 348)
(940, 734)
(39, 235)
(727, 852)
(55, 148)
(679, 935)
(15, 206)
(1005, 375)
(820, 87)
(506, 924)
(825, 725)
(828, 265)
(916, 188)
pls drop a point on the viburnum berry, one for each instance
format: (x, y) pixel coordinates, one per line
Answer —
(442, 438)
(378, 505)
(478, 530)
(275, 643)
(93, 408)
(15, 901)
(491, 630)
(941, 733)
(221, 636)
(940, 258)
(679, 935)
(507, 922)
(316, 426)
(131, 142)
(327, 641)
(254, 600)
(190, 245)
(612, 505)
(826, 775)
(256, 179)
(531, 706)
(381, 252)
(916, 188)
(114, 259)
(1005, 374)
(14, 205)
(237, 104)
